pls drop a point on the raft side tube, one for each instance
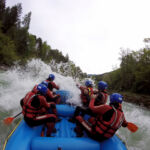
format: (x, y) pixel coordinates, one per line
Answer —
(64, 144)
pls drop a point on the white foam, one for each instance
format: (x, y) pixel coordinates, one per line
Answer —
(17, 82)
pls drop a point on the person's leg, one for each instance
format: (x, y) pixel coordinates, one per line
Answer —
(53, 110)
(78, 111)
(50, 126)
(82, 125)
(49, 120)
(79, 130)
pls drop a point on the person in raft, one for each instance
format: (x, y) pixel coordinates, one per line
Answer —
(50, 97)
(100, 96)
(35, 109)
(51, 84)
(86, 92)
(109, 118)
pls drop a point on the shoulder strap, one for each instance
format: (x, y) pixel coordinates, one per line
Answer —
(116, 115)
(31, 98)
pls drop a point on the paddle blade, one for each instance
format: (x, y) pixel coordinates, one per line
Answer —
(132, 127)
(43, 130)
(42, 134)
(8, 121)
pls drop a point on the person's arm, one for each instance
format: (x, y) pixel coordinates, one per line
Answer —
(54, 85)
(53, 96)
(101, 109)
(34, 90)
(21, 102)
(95, 91)
(83, 90)
(50, 94)
(125, 123)
(44, 102)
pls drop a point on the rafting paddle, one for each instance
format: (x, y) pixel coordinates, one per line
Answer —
(43, 130)
(132, 127)
(9, 120)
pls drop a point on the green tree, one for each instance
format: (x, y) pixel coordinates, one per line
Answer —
(26, 20)
(11, 18)
(2, 8)
(7, 50)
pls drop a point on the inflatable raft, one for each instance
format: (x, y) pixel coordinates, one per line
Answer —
(27, 138)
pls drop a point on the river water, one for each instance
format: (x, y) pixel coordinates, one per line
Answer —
(16, 82)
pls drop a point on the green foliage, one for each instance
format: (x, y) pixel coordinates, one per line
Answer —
(10, 18)
(2, 8)
(133, 74)
(54, 53)
(26, 21)
(7, 50)
(17, 43)
(142, 73)
(31, 45)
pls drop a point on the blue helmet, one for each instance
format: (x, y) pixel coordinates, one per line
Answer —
(88, 83)
(51, 76)
(42, 89)
(116, 98)
(102, 85)
(45, 83)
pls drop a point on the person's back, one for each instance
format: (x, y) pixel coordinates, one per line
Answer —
(86, 92)
(36, 109)
(51, 84)
(50, 96)
(101, 95)
(32, 105)
(109, 118)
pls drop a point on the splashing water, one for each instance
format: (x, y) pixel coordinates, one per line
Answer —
(15, 83)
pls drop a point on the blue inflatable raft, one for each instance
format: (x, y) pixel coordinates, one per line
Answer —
(27, 138)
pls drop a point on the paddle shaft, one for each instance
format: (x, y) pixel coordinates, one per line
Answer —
(17, 115)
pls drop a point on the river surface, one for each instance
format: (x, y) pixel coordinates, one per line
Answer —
(15, 83)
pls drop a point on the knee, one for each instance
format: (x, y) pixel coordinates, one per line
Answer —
(53, 106)
(52, 119)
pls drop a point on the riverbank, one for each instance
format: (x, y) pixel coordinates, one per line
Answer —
(138, 99)
(4, 68)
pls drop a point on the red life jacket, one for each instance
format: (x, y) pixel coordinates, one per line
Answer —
(86, 97)
(50, 85)
(34, 90)
(105, 96)
(101, 98)
(108, 128)
(28, 110)
(90, 91)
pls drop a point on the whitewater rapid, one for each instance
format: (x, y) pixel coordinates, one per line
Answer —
(16, 82)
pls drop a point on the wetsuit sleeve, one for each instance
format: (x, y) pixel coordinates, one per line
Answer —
(21, 102)
(34, 90)
(101, 109)
(125, 123)
(44, 102)
(81, 88)
(50, 94)
(95, 91)
(55, 86)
